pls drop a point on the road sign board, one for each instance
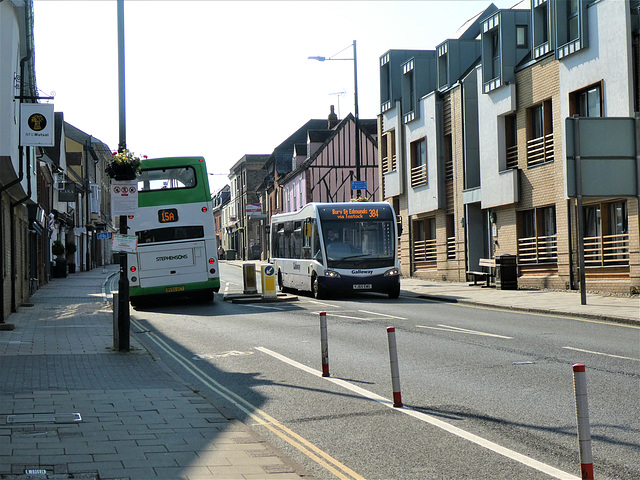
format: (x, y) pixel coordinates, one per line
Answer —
(124, 197)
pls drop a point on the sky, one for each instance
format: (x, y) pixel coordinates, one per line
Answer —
(222, 79)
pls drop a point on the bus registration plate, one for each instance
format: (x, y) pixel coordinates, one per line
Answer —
(174, 289)
(362, 286)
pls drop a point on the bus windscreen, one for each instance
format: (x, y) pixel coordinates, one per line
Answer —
(171, 178)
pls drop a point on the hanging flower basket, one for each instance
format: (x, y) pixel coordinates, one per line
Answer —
(123, 166)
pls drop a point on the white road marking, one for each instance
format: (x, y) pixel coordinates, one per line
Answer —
(383, 315)
(232, 353)
(323, 303)
(604, 354)
(345, 316)
(264, 307)
(448, 328)
(518, 457)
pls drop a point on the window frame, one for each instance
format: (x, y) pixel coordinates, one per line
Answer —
(575, 103)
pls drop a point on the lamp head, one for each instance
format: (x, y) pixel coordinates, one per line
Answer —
(320, 59)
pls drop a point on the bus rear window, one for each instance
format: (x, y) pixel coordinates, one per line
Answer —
(156, 235)
(172, 178)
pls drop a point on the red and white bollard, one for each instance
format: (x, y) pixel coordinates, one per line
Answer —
(395, 373)
(582, 412)
(324, 345)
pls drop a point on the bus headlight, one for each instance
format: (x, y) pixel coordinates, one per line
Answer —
(331, 274)
(392, 273)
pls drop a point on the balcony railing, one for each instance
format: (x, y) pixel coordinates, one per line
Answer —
(512, 157)
(606, 250)
(388, 164)
(419, 175)
(538, 249)
(451, 248)
(540, 150)
(425, 251)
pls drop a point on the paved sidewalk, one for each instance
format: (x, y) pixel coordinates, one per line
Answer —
(73, 407)
(598, 307)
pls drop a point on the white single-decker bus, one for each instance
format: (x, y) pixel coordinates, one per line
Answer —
(330, 248)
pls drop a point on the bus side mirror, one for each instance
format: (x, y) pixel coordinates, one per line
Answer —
(399, 223)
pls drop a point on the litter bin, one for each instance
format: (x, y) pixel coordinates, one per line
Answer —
(507, 272)
(231, 254)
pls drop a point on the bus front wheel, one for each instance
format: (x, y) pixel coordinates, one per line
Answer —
(318, 291)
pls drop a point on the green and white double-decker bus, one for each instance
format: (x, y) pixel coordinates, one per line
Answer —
(177, 250)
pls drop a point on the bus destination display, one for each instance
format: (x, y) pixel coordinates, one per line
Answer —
(168, 215)
(353, 213)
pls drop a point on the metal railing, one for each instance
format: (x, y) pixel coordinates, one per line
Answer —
(540, 150)
(538, 249)
(425, 251)
(419, 175)
(512, 157)
(606, 250)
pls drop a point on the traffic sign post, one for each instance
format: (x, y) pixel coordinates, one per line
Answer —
(268, 281)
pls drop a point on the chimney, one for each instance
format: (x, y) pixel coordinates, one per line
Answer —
(333, 119)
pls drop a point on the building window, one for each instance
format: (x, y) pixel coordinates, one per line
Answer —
(586, 102)
(572, 20)
(495, 54)
(424, 242)
(537, 236)
(570, 23)
(443, 66)
(521, 36)
(388, 150)
(539, 134)
(511, 141)
(606, 234)
(451, 237)
(541, 30)
(385, 86)
(419, 162)
(409, 107)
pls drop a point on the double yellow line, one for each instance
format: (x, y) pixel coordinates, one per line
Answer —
(260, 417)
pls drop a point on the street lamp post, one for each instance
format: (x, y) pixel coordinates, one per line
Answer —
(355, 90)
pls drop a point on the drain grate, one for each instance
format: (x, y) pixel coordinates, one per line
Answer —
(44, 418)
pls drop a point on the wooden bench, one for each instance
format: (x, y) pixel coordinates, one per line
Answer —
(486, 276)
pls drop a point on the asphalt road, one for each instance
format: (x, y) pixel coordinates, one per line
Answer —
(489, 393)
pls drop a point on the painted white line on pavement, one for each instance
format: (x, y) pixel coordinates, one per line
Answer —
(345, 316)
(323, 303)
(436, 422)
(264, 307)
(604, 354)
(383, 315)
(447, 328)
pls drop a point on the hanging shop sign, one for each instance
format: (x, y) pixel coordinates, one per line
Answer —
(37, 125)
